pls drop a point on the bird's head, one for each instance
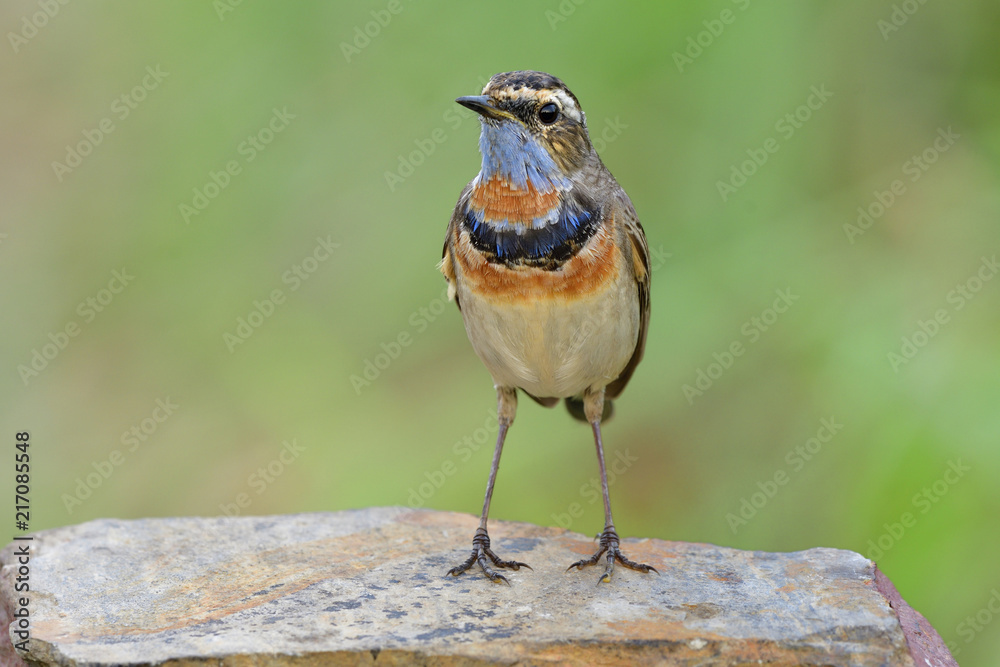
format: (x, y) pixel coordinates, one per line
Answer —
(533, 130)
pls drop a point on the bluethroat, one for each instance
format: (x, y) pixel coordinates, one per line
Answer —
(549, 266)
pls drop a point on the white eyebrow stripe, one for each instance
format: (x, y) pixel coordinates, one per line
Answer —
(567, 104)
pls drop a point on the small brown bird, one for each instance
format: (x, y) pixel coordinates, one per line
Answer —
(549, 266)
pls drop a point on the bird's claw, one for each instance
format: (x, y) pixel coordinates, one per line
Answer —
(483, 555)
(610, 546)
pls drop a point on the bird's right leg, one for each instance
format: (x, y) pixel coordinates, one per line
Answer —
(481, 552)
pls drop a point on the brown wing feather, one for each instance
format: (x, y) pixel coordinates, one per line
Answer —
(640, 267)
(447, 264)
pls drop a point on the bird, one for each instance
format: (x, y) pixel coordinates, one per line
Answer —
(549, 266)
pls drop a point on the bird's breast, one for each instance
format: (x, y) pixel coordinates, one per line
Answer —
(588, 271)
(550, 332)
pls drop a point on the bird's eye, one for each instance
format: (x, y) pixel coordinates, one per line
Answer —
(548, 113)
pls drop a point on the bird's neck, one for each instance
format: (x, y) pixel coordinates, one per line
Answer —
(521, 208)
(519, 186)
(511, 153)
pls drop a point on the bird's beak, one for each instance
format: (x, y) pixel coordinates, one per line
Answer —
(482, 106)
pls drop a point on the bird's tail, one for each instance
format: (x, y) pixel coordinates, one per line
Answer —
(575, 407)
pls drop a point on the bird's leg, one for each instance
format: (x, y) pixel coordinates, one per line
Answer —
(481, 552)
(593, 405)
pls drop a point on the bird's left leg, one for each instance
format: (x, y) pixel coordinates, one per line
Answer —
(593, 405)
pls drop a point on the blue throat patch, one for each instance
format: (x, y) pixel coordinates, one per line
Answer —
(511, 154)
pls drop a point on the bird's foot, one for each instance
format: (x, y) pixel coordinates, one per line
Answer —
(609, 546)
(482, 554)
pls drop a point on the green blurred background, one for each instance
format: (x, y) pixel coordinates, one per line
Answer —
(353, 107)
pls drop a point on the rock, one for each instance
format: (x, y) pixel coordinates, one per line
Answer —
(369, 587)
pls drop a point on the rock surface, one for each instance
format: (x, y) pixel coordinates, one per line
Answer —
(368, 587)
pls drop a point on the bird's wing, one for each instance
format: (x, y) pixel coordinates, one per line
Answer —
(640, 268)
(447, 266)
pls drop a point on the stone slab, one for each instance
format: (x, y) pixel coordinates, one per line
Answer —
(369, 587)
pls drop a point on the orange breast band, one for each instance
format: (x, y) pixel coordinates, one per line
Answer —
(499, 200)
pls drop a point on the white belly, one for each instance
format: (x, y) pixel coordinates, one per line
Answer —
(553, 346)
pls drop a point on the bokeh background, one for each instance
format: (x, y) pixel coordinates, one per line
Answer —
(362, 374)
